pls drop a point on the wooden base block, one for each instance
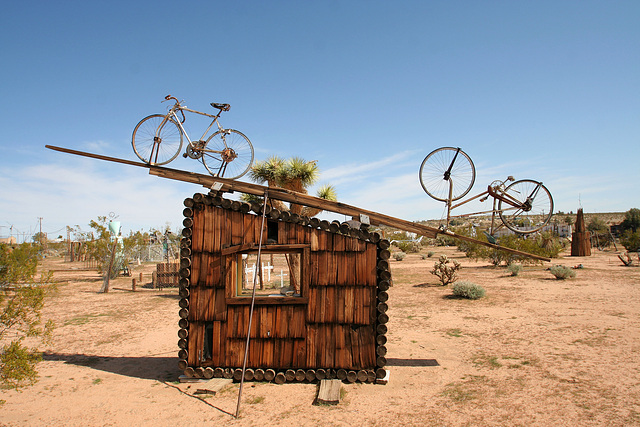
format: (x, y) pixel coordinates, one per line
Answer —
(329, 392)
(385, 379)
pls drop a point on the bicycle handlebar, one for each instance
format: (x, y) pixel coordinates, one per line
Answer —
(169, 98)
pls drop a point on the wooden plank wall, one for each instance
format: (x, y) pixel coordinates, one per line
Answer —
(339, 327)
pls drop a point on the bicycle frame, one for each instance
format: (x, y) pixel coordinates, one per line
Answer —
(172, 113)
(494, 192)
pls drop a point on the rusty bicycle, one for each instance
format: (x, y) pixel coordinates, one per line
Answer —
(525, 206)
(157, 140)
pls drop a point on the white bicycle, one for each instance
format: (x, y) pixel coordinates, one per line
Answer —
(157, 140)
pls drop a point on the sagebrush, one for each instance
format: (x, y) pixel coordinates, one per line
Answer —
(469, 290)
(562, 272)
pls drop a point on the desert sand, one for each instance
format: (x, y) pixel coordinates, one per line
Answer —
(534, 351)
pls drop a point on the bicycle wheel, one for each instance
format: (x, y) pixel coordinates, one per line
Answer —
(445, 167)
(152, 150)
(535, 206)
(227, 154)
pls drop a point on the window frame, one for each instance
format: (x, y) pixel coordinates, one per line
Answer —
(231, 283)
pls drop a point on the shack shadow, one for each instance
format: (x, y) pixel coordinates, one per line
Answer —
(412, 362)
(428, 285)
(143, 367)
(162, 369)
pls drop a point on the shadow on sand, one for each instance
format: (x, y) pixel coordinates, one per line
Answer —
(412, 362)
(159, 368)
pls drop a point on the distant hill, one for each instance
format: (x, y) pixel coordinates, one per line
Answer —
(610, 218)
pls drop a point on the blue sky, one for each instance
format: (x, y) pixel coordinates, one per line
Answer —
(548, 90)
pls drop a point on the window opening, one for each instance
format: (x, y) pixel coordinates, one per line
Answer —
(272, 231)
(208, 341)
(278, 274)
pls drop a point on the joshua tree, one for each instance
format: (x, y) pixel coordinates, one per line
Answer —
(294, 174)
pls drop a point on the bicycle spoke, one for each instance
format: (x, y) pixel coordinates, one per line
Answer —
(447, 169)
(234, 154)
(156, 141)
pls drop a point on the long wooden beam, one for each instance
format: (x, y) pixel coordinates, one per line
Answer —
(230, 185)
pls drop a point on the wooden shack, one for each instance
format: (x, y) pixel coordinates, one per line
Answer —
(321, 295)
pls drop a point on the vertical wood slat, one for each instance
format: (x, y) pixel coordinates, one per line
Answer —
(197, 237)
(312, 345)
(208, 224)
(196, 339)
(249, 231)
(339, 243)
(237, 223)
(299, 353)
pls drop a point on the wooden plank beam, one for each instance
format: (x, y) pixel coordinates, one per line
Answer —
(229, 185)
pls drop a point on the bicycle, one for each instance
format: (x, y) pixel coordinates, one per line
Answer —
(448, 174)
(157, 140)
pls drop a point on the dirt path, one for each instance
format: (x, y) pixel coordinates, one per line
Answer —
(535, 351)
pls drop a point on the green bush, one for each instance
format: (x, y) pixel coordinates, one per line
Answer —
(465, 289)
(631, 240)
(20, 316)
(544, 244)
(631, 220)
(408, 247)
(399, 256)
(514, 269)
(446, 270)
(427, 255)
(562, 272)
(597, 225)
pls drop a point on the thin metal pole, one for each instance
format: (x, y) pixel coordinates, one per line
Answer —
(253, 301)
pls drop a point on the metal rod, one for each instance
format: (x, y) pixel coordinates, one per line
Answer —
(253, 301)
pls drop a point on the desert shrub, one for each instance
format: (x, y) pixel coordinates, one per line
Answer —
(399, 256)
(631, 240)
(544, 244)
(514, 269)
(466, 289)
(445, 241)
(562, 272)
(631, 220)
(446, 270)
(427, 255)
(408, 247)
(20, 316)
(597, 225)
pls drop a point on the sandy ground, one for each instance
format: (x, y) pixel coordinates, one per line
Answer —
(534, 351)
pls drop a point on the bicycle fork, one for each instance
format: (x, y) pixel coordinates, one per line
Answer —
(157, 140)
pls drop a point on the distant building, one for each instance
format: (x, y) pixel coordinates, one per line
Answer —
(9, 240)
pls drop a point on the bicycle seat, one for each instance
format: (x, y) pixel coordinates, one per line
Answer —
(223, 107)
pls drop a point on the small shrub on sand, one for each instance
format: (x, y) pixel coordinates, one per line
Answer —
(465, 289)
(514, 269)
(399, 256)
(562, 272)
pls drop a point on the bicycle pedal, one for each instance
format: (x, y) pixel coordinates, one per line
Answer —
(184, 155)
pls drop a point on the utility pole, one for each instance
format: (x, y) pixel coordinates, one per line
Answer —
(40, 235)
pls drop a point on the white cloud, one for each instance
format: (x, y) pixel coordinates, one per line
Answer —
(81, 191)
